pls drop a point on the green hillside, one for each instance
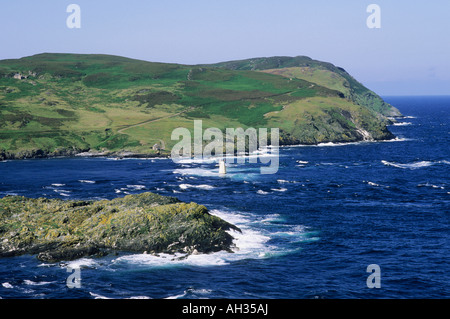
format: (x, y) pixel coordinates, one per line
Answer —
(63, 104)
(318, 72)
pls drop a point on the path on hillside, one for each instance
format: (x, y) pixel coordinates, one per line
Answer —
(163, 145)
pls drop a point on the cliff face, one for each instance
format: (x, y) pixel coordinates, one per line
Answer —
(57, 230)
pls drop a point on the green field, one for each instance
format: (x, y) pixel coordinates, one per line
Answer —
(54, 104)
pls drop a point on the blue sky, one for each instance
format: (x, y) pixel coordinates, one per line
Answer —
(408, 55)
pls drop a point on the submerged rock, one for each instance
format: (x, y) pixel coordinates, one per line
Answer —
(57, 230)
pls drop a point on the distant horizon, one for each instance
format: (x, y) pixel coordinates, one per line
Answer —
(415, 95)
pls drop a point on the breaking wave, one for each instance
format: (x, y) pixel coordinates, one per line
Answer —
(202, 186)
(402, 123)
(414, 165)
(253, 242)
(86, 181)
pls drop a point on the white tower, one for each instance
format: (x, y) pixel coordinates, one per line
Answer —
(222, 167)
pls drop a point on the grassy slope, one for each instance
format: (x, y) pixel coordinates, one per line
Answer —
(321, 73)
(81, 102)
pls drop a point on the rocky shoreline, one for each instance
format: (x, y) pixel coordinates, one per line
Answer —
(61, 230)
(286, 140)
(75, 152)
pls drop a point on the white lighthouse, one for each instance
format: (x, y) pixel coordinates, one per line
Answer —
(222, 167)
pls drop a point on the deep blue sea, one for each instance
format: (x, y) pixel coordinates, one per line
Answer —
(308, 231)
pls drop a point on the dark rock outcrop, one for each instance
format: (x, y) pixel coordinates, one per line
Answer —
(55, 229)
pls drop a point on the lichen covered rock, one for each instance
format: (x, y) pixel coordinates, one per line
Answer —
(56, 229)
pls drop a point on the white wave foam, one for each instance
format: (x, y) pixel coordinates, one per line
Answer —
(285, 233)
(283, 181)
(62, 194)
(178, 259)
(193, 160)
(86, 181)
(8, 193)
(33, 283)
(414, 165)
(235, 218)
(375, 184)
(176, 296)
(282, 189)
(261, 192)
(233, 172)
(396, 139)
(192, 291)
(45, 265)
(7, 285)
(402, 123)
(229, 159)
(272, 218)
(197, 172)
(299, 228)
(81, 263)
(136, 187)
(249, 243)
(325, 144)
(200, 291)
(292, 234)
(201, 171)
(61, 191)
(98, 296)
(202, 186)
(58, 185)
(431, 185)
(333, 144)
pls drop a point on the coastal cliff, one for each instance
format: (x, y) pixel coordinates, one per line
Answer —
(55, 104)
